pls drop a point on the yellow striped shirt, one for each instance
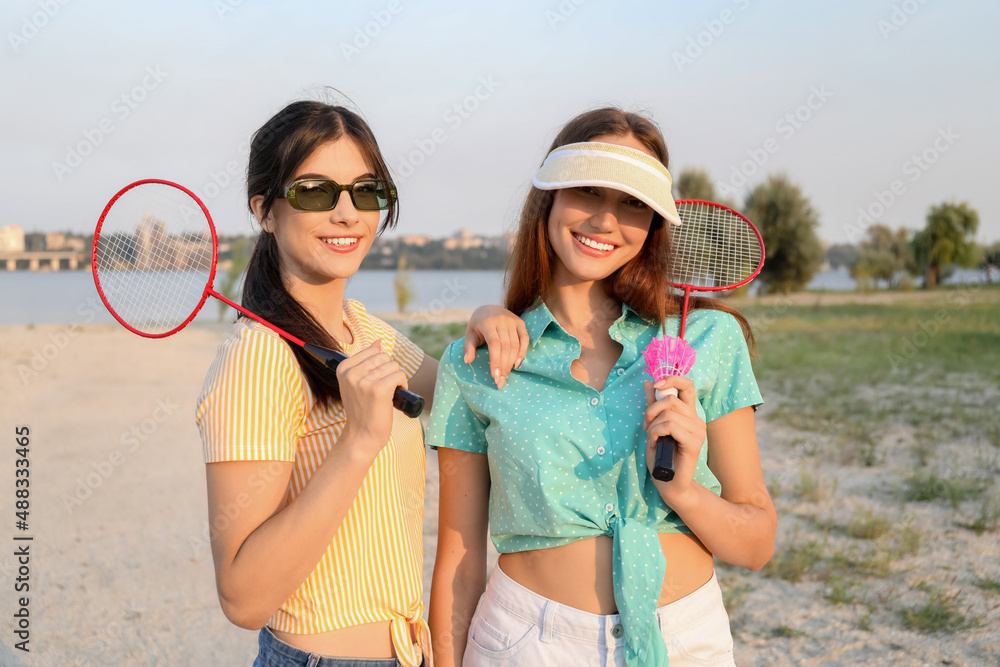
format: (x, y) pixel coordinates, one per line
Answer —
(257, 406)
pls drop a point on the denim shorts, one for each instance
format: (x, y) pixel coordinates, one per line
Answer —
(515, 626)
(276, 653)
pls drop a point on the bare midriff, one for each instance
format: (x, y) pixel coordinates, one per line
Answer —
(371, 640)
(578, 574)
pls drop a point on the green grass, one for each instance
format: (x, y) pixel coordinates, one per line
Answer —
(848, 372)
(922, 486)
(865, 525)
(992, 585)
(840, 590)
(434, 338)
(939, 614)
(787, 632)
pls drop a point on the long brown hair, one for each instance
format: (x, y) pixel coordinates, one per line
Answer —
(276, 151)
(642, 282)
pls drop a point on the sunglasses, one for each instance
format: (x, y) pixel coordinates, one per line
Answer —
(315, 194)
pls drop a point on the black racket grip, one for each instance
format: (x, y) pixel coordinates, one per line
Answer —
(663, 464)
(403, 400)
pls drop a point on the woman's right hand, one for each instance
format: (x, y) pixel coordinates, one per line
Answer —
(368, 381)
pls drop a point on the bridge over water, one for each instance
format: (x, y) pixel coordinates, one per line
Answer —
(43, 260)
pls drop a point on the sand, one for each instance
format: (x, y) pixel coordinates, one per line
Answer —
(120, 568)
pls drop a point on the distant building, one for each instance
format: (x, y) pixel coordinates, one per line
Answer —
(415, 240)
(55, 241)
(78, 243)
(463, 239)
(12, 238)
(34, 242)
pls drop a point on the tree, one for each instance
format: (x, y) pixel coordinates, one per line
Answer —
(883, 255)
(947, 239)
(841, 254)
(229, 287)
(990, 260)
(694, 183)
(403, 283)
(787, 223)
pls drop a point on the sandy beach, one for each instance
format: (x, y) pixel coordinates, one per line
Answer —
(121, 571)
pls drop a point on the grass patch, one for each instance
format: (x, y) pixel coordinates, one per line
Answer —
(840, 590)
(991, 585)
(940, 614)
(988, 520)
(924, 486)
(795, 560)
(813, 488)
(787, 632)
(865, 525)
(850, 372)
(434, 338)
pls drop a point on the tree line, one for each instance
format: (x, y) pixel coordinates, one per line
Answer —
(788, 222)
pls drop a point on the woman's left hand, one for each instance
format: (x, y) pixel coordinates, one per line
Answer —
(676, 416)
(505, 336)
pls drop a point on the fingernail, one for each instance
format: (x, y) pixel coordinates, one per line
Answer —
(517, 364)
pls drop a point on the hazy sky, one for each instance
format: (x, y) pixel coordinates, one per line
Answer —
(852, 99)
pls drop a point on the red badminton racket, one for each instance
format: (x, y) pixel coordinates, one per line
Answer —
(714, 249)
(154, 258)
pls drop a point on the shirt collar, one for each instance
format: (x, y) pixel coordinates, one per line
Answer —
(538, 318)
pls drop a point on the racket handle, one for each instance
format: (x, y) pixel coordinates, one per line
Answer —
(663, 464)
(405, 401)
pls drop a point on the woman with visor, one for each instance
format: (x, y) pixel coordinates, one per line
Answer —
(599, 564)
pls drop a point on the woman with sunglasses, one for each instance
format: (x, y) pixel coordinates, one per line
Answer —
(599, 564)
(315, 482)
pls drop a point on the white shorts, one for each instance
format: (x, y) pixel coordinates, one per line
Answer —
(514, 626)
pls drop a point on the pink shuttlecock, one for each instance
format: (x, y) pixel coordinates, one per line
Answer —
(667, 356)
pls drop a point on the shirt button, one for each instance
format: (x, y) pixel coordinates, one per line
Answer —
(595, 401)
(600, 450)
(618, 631)
(609, 507)
(621, 371)
(618, 336)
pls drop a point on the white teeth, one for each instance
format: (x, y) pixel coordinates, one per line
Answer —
(340, 241)
(593, 244)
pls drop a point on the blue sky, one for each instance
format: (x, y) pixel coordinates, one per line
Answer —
(839, 96)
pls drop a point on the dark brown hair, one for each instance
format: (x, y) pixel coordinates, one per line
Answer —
(642, 282)
(276, 151)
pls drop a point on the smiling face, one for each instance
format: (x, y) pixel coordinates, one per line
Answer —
(594, 231)
(318, 247)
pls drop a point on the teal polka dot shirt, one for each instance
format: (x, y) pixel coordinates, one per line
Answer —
(567, 462)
